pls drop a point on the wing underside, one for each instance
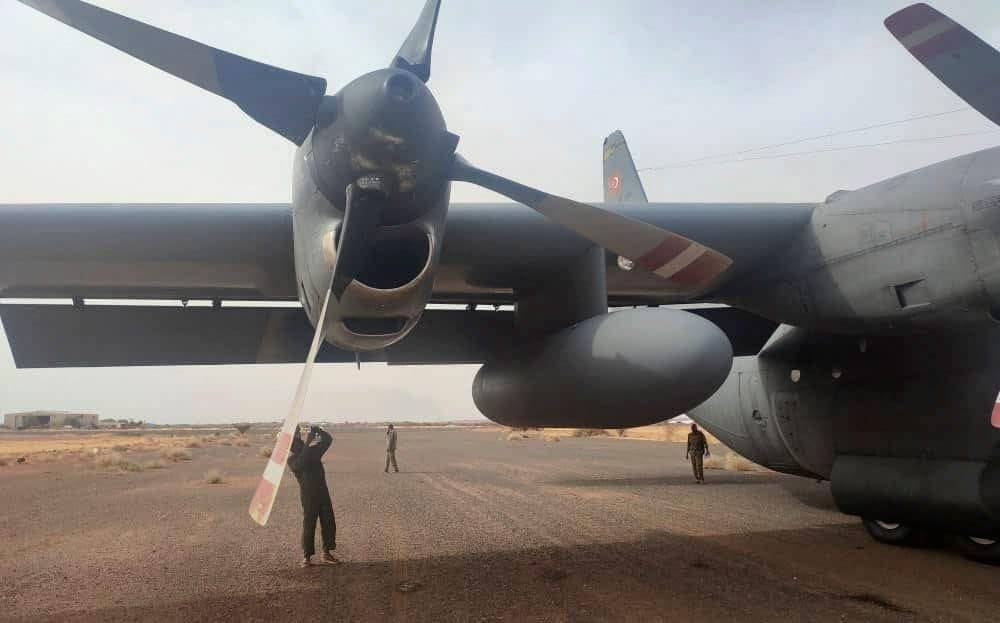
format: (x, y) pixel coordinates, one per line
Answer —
(235, 252)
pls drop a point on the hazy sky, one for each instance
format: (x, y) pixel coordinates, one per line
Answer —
(532, 88)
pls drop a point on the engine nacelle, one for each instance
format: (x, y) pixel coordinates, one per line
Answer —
(385, 301)
(618, 370)
(776, 409)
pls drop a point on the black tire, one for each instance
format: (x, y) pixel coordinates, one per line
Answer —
(892, 533)
(980, 550)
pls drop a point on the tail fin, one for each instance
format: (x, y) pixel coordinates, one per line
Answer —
(621, 180)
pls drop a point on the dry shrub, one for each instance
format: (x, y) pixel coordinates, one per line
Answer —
(589, 432)
(715, 462)
(243, 443)
(550, 438)
(192, 443)
(214, 477)
(226, 442)
(155, 464)
(242, 428)
(265, 452)
(120, 447)
(516, 436)
(737, 463)
(4, 461)
(110, 460)
(176, 454)
(117, 460)
(732, 462)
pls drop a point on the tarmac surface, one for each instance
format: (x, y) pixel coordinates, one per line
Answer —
(475, 528)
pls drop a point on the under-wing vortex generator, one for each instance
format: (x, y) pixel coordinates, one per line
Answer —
(378, 146)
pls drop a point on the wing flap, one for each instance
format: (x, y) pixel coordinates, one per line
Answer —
(64, 336)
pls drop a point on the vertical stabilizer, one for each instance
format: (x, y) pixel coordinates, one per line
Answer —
(621, 180)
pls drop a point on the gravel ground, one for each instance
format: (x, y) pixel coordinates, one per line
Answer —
(475, 528)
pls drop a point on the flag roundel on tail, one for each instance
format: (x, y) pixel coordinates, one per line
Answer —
(621, 180)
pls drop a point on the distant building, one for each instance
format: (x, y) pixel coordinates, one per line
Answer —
(49, 419)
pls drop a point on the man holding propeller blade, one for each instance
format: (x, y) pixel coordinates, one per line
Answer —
(306, 461)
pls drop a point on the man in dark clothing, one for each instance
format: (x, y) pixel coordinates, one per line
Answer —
(697, 450)
(306, 462)
(390, 449)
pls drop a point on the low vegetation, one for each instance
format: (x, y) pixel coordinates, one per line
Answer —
(242, 428)
(265, 452)
(589, 432)
(732, 462)
(192, 443)
(214, 477)
(176, 454)
(117, 460)
(154, 464)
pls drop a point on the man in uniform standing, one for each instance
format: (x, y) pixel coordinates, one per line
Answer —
(305, 459)
(390, 449)
(697, 450)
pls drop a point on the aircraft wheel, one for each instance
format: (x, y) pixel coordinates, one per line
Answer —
(979, 549)
(891, 532)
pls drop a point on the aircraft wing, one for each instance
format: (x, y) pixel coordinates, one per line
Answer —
(243, 252)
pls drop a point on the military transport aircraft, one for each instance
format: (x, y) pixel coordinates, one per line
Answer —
(859, 342)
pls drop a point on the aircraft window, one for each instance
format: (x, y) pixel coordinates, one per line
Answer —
(836, 373)
(796, 375)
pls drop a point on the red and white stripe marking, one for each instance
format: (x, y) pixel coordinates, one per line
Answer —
(267, 489)
(927, 33)
(684, 262)
(995, 418)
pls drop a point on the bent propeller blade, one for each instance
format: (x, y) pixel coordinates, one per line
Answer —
(415, 54)
(962, 61)
(361, 219)
(267, 489)
(282, 100)
(684, 263)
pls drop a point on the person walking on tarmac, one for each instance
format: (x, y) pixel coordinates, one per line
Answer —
(305, 459)
(697, 450)
(390, 449)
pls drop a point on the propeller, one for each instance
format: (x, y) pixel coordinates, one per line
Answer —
(365, 201)
(296, 105)
(415, 55)
(282, 100)
(267, 488)
(962, 61)
(682, 262)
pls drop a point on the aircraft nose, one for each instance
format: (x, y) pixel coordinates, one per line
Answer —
(400, 87)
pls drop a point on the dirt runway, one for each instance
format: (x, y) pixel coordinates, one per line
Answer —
(475, 528)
